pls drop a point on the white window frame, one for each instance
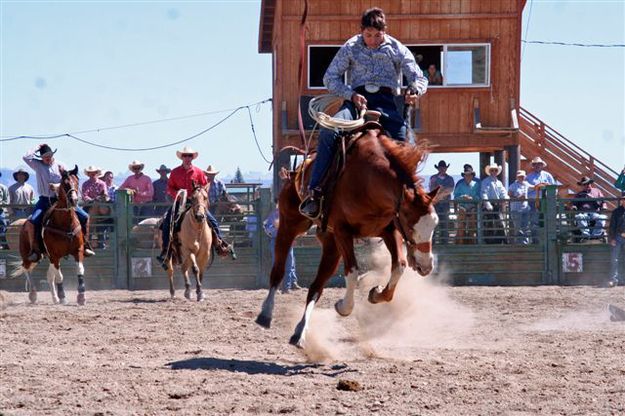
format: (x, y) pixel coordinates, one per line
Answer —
(308, 86)
(443, 67)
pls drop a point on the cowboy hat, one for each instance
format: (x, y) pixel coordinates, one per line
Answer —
(17, 172)
(44, 149)
(495, 166)
(186, 151)
(210, 171)
(163, 168)
(135, 163)
(585, 180)
(90, 169)
(468, 170)
(442, 164)
(538, 160)
(520, 173)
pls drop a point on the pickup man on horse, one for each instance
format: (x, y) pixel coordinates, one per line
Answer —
(375, 62)
(183, 177)
(48, 171)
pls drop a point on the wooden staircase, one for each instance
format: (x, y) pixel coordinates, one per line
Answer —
(567, 161)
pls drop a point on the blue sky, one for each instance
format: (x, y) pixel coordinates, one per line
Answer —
(75, 66)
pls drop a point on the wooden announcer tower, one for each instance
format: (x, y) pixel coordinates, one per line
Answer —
(476, 44)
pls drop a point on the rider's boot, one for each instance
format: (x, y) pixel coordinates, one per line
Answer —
(87, 249)
(311, 206)
(33, 243)
(222, 248)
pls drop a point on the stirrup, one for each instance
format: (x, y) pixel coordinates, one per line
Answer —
(305, 207)
(34, 257)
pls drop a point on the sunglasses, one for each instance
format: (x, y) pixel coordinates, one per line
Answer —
(187, 155)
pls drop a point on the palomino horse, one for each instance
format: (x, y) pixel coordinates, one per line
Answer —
(62, 236)
(195, 239)
(376, 195)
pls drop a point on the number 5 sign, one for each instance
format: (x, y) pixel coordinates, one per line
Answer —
(572, 262)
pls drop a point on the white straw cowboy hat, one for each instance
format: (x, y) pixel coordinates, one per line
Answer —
(538, 160)
(135, 163)
(211, 171)
(186, 151)
(91, 168)
(488, 168)
(520, 173)
(18, 172)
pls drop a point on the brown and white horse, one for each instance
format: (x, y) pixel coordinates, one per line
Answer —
(62, 236)
(195, 239)
(376, 195)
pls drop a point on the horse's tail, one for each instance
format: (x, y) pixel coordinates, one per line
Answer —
(18, 268)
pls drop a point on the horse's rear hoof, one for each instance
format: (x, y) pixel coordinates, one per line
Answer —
(296, 340)
(263, 321)
(187, 294)
(63, 301)
(200, 297)
(338, 307)
(80, 299)
(32, 297)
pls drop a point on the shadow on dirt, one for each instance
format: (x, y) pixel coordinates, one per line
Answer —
(240, 366)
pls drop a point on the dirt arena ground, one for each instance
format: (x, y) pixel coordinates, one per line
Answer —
(433, 350)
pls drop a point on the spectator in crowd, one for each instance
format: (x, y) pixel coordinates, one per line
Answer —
(446, 183)
(467, 195)
(519, 209)
(589, 208)
(4, 200)
(270, 225)
(48, 172)
(492, 190)
(537, 178)
(375, 62)
(434, 75)
(140, 186)
(160, 191)
(21, 193)
(216, 187)
(108, 180)
(94, 188)
(620, 181)
(616, 238)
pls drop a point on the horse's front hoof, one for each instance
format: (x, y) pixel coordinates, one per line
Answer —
(63, 301)
(187, 294)
(80, 299)
(342, 310)
(32, 297)
(201, 297)
(263, 321)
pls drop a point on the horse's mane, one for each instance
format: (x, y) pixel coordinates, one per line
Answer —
(405, 158)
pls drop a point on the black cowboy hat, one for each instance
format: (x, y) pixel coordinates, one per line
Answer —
(585, 181)
(468, 170)
(442, 163)
(17, 172)
(44, 149)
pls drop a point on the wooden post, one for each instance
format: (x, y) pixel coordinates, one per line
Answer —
(121, 211)
(549, 209)
(484, 161)
(265, 206)
(501, 161)
(514, 161)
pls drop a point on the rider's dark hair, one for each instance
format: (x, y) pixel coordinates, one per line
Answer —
(374, 18)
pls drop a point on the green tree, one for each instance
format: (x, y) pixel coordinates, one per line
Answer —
(238, 177)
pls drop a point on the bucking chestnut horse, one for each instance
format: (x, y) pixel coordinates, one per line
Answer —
(376, 195)
(62, 236)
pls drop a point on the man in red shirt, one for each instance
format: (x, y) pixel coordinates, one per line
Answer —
(183, 177)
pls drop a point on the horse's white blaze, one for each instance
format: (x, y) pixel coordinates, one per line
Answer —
(345, 306)
(80, 269)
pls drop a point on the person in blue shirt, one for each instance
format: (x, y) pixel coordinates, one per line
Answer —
(519, 209)
(537, 178)
(270, 226)
(492, 190)
(375, 63)
(467, 196)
